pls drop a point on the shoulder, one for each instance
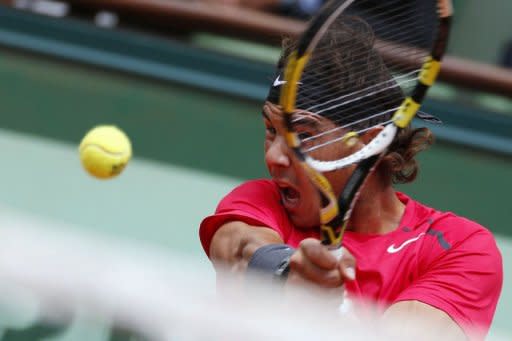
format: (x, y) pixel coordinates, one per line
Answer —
(458, 244)
(449, 237)
(260, 197)
(462, 232)
(254, 190)
(456, 228)
(255, 202)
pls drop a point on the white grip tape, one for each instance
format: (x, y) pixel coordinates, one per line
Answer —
(346, 305)
(337, 252)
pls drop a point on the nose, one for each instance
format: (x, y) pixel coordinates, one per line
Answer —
(277, 153)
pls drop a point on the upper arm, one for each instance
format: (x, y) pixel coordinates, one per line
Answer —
(416, 320)
(234, 243)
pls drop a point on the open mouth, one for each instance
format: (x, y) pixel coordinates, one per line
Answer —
(290, 196)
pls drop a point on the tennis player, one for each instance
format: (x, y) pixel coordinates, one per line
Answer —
(410, 260)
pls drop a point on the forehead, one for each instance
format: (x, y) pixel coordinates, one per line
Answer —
(274, 113)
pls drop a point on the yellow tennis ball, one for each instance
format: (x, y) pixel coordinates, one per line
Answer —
(104, 151)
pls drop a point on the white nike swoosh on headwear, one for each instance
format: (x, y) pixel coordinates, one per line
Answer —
(393, 249)
(279, 82)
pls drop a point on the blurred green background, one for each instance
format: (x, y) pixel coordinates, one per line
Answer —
(192, 110)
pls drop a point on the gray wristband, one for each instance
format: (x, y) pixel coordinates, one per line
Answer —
(273, 259)
(283, 269)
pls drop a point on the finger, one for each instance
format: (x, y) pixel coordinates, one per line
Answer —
(347, 265)
(302, 267)
(318, 254)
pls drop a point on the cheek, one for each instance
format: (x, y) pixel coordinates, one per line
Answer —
(309, 190)
(266, 147)
(338, 179)
(330, 151)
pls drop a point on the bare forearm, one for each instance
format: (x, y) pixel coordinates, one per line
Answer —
(235, 242)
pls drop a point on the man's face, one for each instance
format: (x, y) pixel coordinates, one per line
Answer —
(299, 196)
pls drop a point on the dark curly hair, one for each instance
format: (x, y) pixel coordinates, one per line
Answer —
(347, 74)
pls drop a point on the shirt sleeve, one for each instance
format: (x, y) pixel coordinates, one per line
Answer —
(465, 282)
(255, 202)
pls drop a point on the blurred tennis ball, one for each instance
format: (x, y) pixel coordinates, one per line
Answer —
(104, 151)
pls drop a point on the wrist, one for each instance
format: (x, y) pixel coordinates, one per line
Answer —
(283, 269)
(272, 260)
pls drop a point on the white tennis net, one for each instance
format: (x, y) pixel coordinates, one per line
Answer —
(53, 274)
(50, 275)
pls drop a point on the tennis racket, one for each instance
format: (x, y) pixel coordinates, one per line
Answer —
(360, 64)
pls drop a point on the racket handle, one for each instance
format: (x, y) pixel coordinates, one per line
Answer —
(337, 252)
(346, 305)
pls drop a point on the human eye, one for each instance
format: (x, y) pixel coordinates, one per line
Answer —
(270, 130)
(304, 131)
(304, 135)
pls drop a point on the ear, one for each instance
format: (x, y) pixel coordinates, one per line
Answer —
(370, 134)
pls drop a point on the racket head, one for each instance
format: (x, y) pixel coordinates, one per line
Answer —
(360, 70)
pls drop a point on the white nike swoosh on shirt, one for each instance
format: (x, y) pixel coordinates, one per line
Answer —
(393, 249)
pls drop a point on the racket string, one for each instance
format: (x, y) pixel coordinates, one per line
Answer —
(347, 126)
(356, 123)
(399, 81)
(391, 37)
(378, 8)
(327, 85)
(364, 91)
(392, 33)
(377, 52)
(342, 96)
(379, 101)
(341, 138)
(317, 77)
(349, 117)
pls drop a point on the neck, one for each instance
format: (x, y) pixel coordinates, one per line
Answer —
(378, 211)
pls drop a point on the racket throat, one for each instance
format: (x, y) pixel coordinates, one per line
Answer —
(332, 229)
